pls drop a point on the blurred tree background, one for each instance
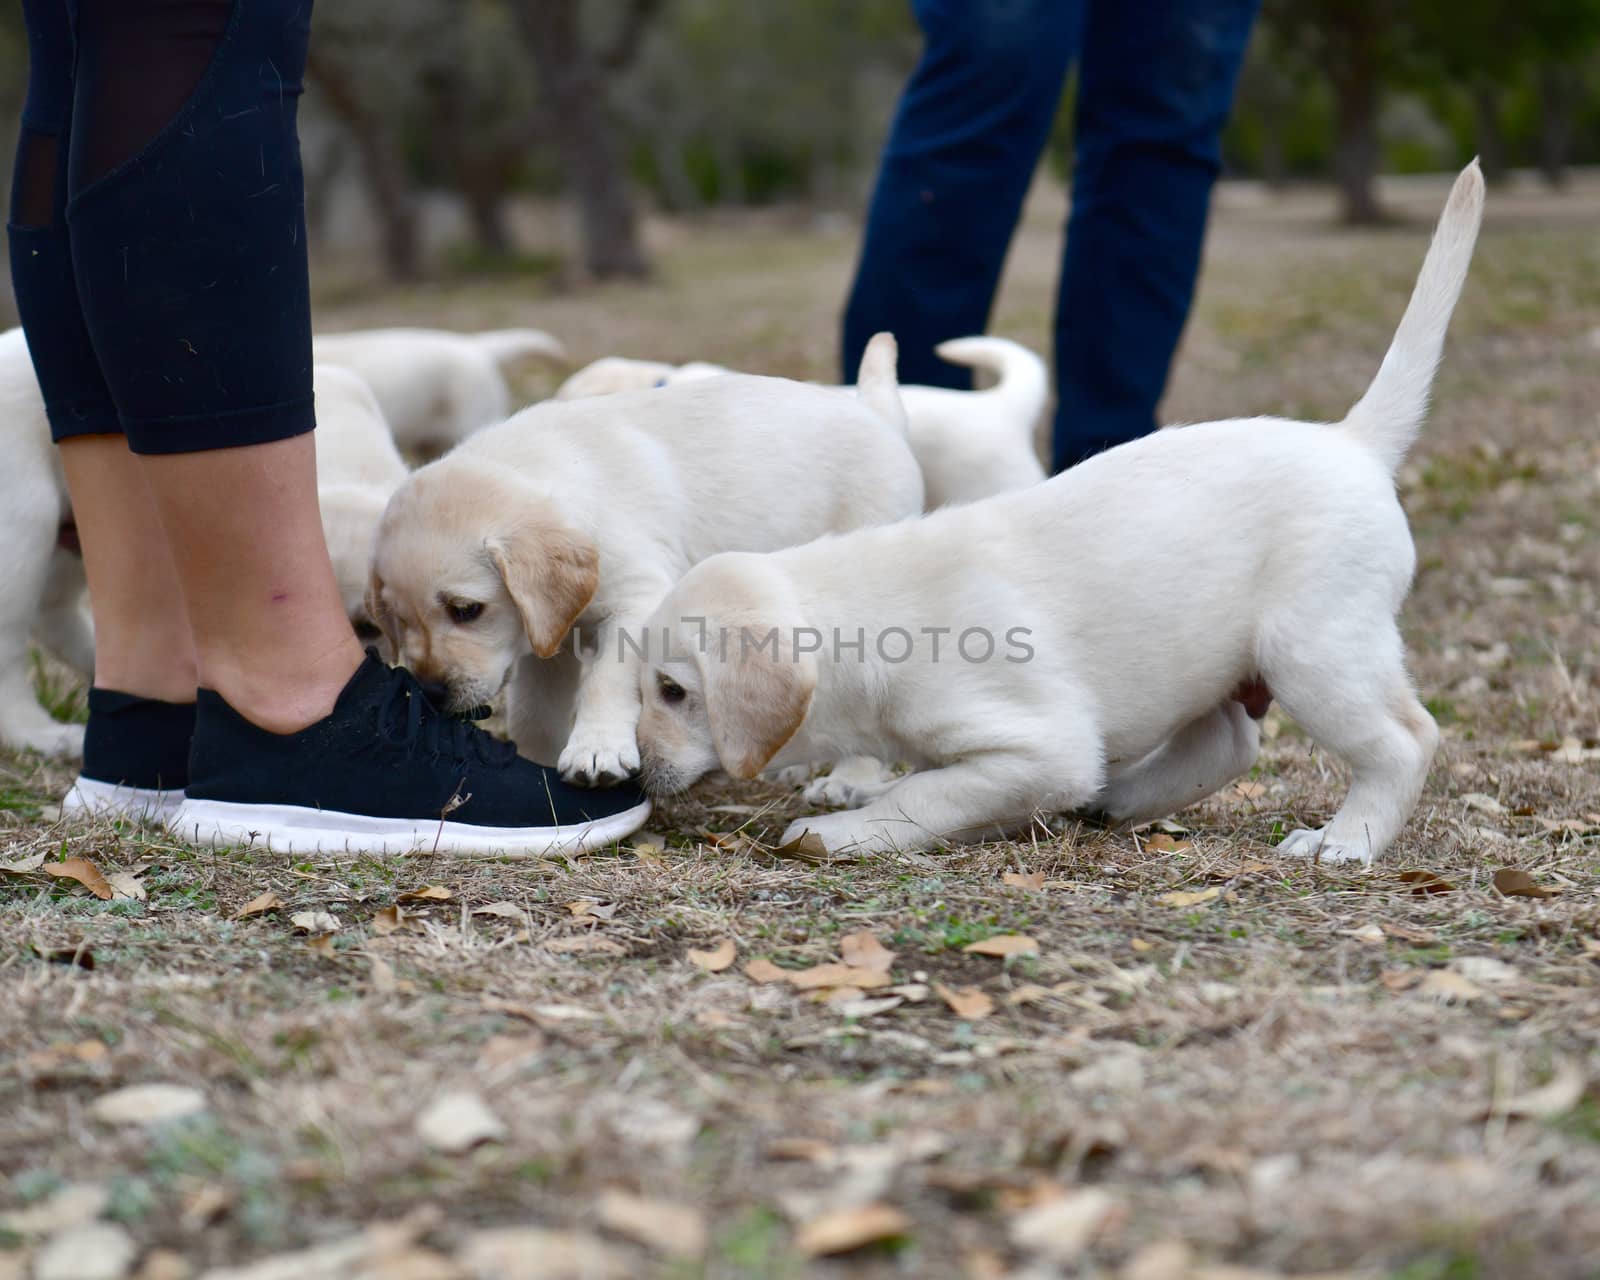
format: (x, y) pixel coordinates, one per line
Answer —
(428, 124)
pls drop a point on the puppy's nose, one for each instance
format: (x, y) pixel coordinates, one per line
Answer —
(436, 692)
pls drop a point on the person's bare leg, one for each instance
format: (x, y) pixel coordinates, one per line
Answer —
(270, 631)
(142, 638)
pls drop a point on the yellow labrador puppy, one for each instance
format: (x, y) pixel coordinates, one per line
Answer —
(541, 545)
(1007, 647)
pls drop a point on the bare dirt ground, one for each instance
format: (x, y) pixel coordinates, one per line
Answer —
(1211, 1062)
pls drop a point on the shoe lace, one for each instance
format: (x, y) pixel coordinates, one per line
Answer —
(408, 719)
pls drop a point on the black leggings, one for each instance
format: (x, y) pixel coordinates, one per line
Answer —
(157, 229)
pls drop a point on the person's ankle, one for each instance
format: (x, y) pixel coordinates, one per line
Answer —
(171, 681)
(284, 696)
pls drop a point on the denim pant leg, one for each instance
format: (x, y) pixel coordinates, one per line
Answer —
(964, 144)
(1155, 87)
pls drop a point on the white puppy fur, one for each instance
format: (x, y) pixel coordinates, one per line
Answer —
(436, 387)
(1278, 551)
(42, 590)
(969, 444)
(579, 516)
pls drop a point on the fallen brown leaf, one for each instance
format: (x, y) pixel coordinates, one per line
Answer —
(1028, 993)
(585, 944)
(315, 922)
(835, 975)
(1061, 1229)
(49, 1061)
(1425, 882)
(22, 866)
(388, 921)
(717, 959)
(84, 872)
(1161, 842)
(76, 953)
(763, 970)
(321, 944)
(267, 901)
(532, 1253)
(676, 1230)
(1189, 898)
(1448, 988)
(126, 884)
(1003, 945)
(814, 1150)
(807, 848)
(507, 910)
(583, 909)
(1248, 789)
(1513, 883)
(1023, 880)
(861, 950)
(428, 893)
(382, 974)
(148, 1104)
(965, 1002)
(845, 1230)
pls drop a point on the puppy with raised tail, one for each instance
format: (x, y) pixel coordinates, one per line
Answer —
(1007, 648)
(580, 515)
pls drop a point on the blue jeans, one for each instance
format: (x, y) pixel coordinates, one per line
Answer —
(1155, 84)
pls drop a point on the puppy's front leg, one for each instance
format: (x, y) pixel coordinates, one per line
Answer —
(852, 781)
(603, 748)
(539, 702)
(1200, 758)
(980, 796)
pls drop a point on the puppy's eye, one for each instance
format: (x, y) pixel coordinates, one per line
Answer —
(465, 612)
(670, 690)
(366, 630)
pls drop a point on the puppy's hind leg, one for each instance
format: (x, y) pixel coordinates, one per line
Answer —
(63, 626)
(1344, 681)
(1200, 758)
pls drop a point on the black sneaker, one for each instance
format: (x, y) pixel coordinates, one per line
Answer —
(135, 757)
(387, 772)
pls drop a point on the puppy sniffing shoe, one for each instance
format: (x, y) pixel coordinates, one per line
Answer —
(386, 773)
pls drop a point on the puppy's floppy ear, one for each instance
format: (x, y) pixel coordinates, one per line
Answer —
(757, 697)
(382, 618)
(551, 571)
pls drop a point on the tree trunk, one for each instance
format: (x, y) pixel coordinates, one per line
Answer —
(1491, 139)
(572, 82)
(1355, 88)
(382, 166)
(1556, 85)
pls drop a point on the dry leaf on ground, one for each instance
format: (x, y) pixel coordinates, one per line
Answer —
(267, 901)
(1004, 945)
(126, 884)
(676, 1230)
(428, 893)
(1425, 882)
(388, 921)
(1168, 1260)
(583, 909)
(458, 1121)
(862, 950)
(22, 866)
(506, 910)
(1189, 898)
(315, 922)
(1513, 883)
(362, 1254)
(763, 970)
(68, 1206)
(1023, 880)
(148, 1104)
(806, 848)
(1249, 789)
(1161, 842)
(1061, 1229)
(965, 1002)
(1448, 988)
(845, 1230)
(1559, 1095)
(84, 872)
(592, 944)
(834, 975)
(717, 959)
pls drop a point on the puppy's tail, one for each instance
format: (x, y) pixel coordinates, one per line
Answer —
(1389, 416)
(506, 345)
(878, 383)
(1022, 382)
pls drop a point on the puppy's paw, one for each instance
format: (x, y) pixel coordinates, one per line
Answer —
(830, 792)
(1315, 845)
(850, 832)
(595, 761)
(48, 739)
(794, 775)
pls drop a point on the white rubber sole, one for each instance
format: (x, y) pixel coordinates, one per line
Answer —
(92, 798)
(286, 828)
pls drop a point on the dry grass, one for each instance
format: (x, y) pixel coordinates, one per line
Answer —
(1306, 1072)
